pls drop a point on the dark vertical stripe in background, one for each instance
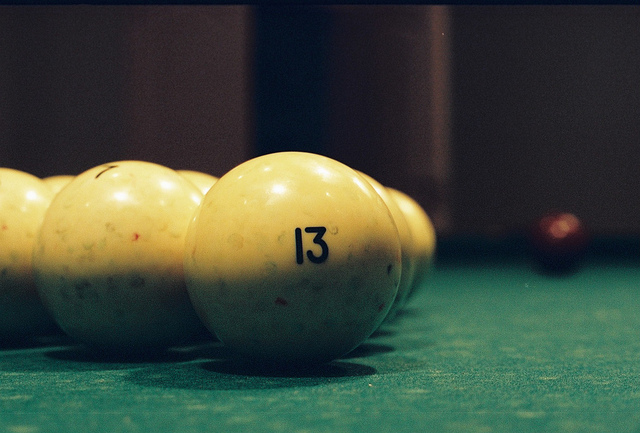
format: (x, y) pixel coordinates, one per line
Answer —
(291, 78)
(486, 115)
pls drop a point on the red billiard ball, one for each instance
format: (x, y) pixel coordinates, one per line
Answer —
(559, 240)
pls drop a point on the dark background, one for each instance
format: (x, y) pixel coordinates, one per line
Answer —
(487, 115)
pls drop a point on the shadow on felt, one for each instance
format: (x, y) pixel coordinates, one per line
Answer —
(86, 354)
(367, 349)
(73, 357)
(237, 374)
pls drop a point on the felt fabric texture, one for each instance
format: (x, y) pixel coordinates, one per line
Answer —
(487, 346)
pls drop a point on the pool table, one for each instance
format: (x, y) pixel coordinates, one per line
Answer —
(491, 343)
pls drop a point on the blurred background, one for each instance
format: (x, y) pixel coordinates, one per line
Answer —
(488, 116)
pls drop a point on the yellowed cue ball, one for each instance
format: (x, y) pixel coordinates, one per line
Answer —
(24, 199)
(203, 181)
(406, 241)
(292, 259)
(108, 262)
(57, 182)
(423, 233)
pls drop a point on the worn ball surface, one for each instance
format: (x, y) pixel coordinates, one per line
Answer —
(292, 259)
(423, 247)
(203, 181)
(24, 200)
(108, 260)
(57, 182)
(406, 244)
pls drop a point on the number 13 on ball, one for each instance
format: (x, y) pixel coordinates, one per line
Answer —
(292, 258)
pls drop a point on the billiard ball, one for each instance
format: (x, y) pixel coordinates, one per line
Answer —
(423, 233)
(24, 199)
(406, 244)
(202, 180)
(56, 183)
(559, 239)
(108, 258)
(292, 259)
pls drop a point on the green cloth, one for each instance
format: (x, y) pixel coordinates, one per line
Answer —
(490, 346)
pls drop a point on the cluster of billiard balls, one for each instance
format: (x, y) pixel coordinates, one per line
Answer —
(288, 258)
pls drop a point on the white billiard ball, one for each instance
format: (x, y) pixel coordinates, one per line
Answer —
(108, 259)
(424, 235)
(56, 183)
(406, 242)
(292, 258)
(203, 181)
(24, 199)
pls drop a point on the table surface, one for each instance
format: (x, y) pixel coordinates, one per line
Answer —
(491, 344)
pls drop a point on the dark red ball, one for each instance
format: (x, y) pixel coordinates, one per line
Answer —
(559, 240)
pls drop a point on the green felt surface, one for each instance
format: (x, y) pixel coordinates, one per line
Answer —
(489, 346)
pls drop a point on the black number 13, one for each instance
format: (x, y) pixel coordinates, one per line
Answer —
(319, 231)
